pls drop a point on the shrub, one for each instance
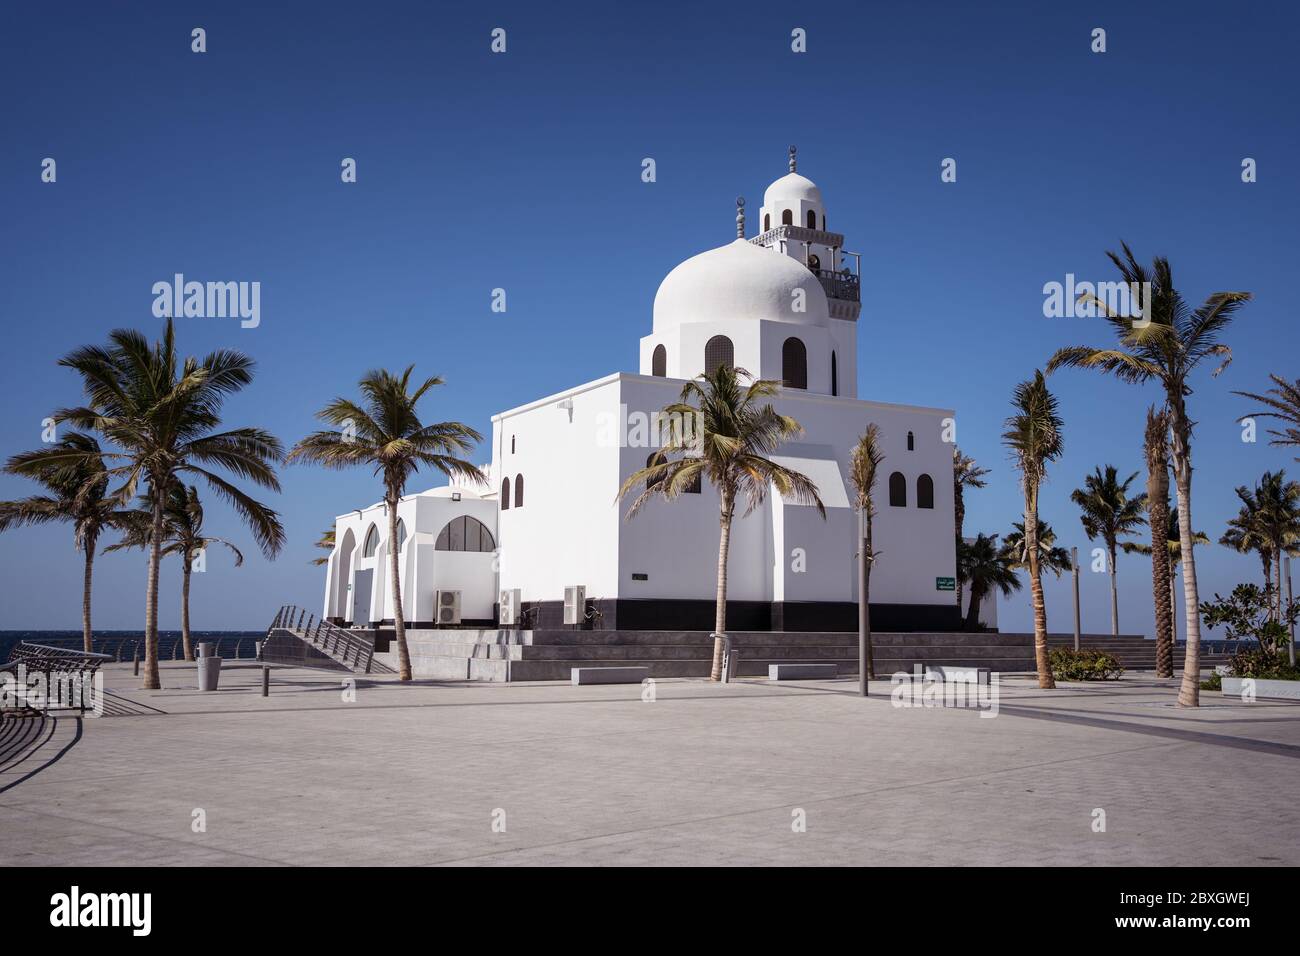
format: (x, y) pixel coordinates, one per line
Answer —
(1213, 682)
(1083, 664)
(1262, 665)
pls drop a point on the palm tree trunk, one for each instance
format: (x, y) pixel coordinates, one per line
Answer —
(1161, 589)
(973, 611)
(720, 611)
(399, 620)
(866, 663)
(185, 609)
(1189, 694)
(1173, 603)
(1277, 598)
(87, 634)
(157, 491)
(959, 509)
(1268, 578)
(1045, 679)
(1114, 597)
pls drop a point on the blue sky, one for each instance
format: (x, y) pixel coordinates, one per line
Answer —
(522, 171)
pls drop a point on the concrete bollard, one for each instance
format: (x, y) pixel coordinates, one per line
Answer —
(136, 658)
(266, 682)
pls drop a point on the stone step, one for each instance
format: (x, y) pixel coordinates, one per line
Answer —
(688, 652)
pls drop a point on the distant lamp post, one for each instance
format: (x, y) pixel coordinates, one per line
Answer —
(1291, 646)
(1074, 567)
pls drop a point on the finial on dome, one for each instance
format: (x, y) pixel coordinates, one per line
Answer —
(792, 152)
(740, 217)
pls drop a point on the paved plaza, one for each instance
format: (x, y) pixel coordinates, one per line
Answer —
(751, 773)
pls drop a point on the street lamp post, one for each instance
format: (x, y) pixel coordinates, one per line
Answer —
(1291, 646)
(862, 603)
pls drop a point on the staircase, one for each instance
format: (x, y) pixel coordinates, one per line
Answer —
(1133, 651)
(299, 639)
(523, 655)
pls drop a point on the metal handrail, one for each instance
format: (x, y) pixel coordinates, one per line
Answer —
(319, 633)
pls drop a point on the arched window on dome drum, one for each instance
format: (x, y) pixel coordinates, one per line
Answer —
(794, 364)
(718, 351)
(767, 221)
(464, 533)
(659, 362)
(911, 442)
(812, 219)
(835, 375)
(401, 535)
(897, 490)
(505, 494)
(787, 217)
(925, 492)
(519, 491)
(372, 543)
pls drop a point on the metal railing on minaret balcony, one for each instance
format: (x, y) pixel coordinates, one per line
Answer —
(839, 285)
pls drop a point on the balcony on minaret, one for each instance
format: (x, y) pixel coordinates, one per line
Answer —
(842, 285)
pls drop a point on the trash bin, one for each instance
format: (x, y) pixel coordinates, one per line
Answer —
(205, 649)
(209, 672)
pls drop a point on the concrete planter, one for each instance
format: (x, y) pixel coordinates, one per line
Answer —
(209, 672)
(1263, 689)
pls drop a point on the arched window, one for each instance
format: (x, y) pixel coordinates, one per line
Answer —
(787, 217)
(401, 535)
(767, 221)
(659, 362)
(505, 494)
(835, 375)
(911, 442)
(512, 444)
(925, 492)
(718, 351)
(823, 222)
(464, 533)
(519, 491)
(812, 219)
(897, 490)
(656, 458)
(372, 542)
(794, 364)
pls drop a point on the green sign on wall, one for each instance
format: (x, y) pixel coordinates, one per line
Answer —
(945, 584)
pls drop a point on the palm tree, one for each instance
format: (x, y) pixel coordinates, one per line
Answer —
(729, 447)
(163, 412)
(1167, 347)
(78, 494)
(1173, 548)
(864, 464)
(1272, 511)
(1050, 557)
(965, 474)
(384, 431)
(1034, 437)
(1155, 447)
(325, 543)
(1284, 400)
(1109, 513)
(183, 535)
(986, 567)
(1244, 536)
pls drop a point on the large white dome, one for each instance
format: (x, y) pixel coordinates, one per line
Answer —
(739, 281)
(792, 188)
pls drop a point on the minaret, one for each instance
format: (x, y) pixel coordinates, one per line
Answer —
(793, 221)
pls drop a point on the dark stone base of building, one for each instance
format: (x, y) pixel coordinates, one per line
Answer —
(624, 614)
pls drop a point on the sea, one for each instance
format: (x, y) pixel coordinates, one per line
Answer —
(122, 644)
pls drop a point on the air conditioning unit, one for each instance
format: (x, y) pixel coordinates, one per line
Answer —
(446, 607)
(575, 605)
(509, 607)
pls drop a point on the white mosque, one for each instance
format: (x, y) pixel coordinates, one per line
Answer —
(547, 544)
